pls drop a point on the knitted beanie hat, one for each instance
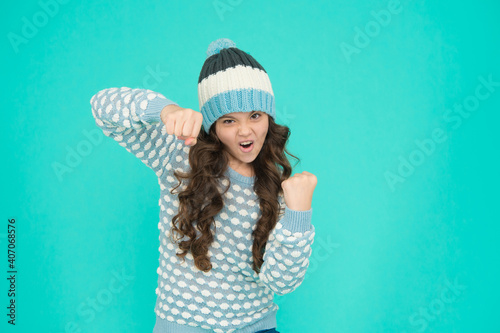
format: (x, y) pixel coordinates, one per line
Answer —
(231, 80)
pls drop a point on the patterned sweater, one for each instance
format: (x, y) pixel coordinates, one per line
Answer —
(231, 297)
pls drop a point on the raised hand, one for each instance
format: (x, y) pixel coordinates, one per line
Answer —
(298, 190)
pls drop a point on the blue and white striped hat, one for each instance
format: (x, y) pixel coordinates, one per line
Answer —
(231, 80)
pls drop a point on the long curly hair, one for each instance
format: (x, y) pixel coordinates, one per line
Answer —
(201, 199)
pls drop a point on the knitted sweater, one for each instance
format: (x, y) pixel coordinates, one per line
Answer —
(231, 297)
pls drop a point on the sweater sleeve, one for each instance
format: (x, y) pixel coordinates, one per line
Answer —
(132, 118)
(288, 250)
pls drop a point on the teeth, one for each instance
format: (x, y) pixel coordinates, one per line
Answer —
(245, 143)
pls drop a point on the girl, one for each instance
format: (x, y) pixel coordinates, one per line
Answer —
(239, 228)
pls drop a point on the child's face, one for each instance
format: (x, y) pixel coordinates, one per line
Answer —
(233, 128)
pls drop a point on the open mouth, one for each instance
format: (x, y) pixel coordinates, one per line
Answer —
(246, 147)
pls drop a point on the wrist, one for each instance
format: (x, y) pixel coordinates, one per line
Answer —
(301, 207)
(167, 109)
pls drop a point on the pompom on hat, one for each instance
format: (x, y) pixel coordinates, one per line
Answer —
(231, 80)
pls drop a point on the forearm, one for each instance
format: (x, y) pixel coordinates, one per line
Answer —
(288, 250)
(132, 117)
(127, 108)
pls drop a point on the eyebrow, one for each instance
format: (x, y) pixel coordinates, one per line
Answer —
(226, 116)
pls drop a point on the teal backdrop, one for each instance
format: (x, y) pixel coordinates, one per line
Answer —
(393, 105)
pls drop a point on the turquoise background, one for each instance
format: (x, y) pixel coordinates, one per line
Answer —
(407, 233)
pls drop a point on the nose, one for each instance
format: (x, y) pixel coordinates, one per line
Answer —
(244, 129)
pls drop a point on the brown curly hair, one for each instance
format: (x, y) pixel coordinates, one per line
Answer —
(201, 200)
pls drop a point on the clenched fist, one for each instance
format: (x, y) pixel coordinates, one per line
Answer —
(184, 123)
(298, 190)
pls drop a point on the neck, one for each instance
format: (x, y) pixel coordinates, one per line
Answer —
(246, 171)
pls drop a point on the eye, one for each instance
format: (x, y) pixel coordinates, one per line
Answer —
(224, 122)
